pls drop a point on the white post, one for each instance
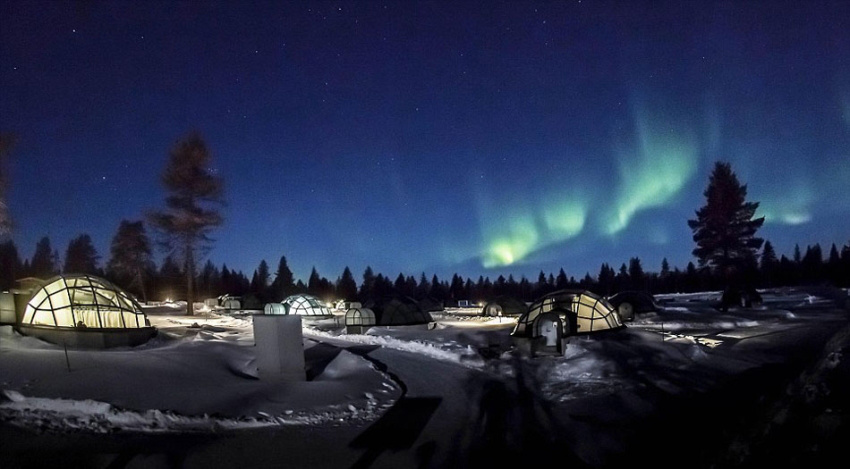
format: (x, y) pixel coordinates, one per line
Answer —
(280, 350)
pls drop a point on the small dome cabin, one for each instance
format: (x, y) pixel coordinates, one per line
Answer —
(87, 312)
(276, 308)
(399, 311)
(628, 303)
(358, 320)
(560, 314)
(504, 306)
(230, 302)
(344, 305)
(306, 305)
(431, 304)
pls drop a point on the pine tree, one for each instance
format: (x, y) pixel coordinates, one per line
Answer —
(398, 285)
(43, 264)
(636, 274)
(210, 280)
(195, 194)
(367, 288)
(130, 257)
(438, 290)
(226, 281)
(283, 284)
(665, 268)
(423, 288)
(833, 266)
(561, 281)
(605, 280)
(724, 228)
(263, 279)
(346, 287)
(768, 264)
(314, 283)
(7, 140)
(456, 291)
(812, 264)
(170, 278)
(10, 265)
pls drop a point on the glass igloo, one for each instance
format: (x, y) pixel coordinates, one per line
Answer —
(359, 320)
(70, 305)
(580, 312)
(306, 305)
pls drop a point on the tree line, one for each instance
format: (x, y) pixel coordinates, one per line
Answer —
(130, 266)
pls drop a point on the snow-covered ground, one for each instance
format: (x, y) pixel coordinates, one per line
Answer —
(597, 401)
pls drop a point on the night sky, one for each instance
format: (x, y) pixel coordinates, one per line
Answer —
(488, 138)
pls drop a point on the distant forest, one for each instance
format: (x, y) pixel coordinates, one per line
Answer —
(809, 267)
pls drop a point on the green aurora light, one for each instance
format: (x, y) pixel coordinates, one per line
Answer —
(793, 208)
(525, 228)
(665, 162)
(521, 238)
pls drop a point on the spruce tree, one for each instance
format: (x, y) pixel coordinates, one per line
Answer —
(263, 278)
(130, 258)
(43, 264)
(768, 264)
(10, 265)
(367, 288)
(724, 228)
(210, 280)
(636, 274)
(314, 283)
(283, 284)
(561, 281)
(7, 140)
(346, 287)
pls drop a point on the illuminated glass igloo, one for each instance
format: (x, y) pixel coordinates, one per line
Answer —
(86, 311)
(306, 305)
(561, 314)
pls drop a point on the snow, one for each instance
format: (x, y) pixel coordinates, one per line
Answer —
(458, 378)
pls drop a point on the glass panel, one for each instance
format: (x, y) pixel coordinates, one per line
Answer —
(64, 317)
(111, 318)
(106, 297)
(87, 316)
(44, 318)
(38, 298)
(28, 315)
(58, 300)
(133, 321)
(54, 287)
(83, 297)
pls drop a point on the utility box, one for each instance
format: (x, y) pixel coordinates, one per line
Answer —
(7, 308)
(280, 349)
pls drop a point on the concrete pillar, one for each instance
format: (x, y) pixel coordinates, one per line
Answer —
(7, 308)
(280, 350)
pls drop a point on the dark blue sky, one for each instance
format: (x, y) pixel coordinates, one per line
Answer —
(439, 137)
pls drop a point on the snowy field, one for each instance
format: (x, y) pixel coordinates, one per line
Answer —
(735, 389)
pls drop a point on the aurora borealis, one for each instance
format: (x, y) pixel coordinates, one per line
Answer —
(438, 137)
